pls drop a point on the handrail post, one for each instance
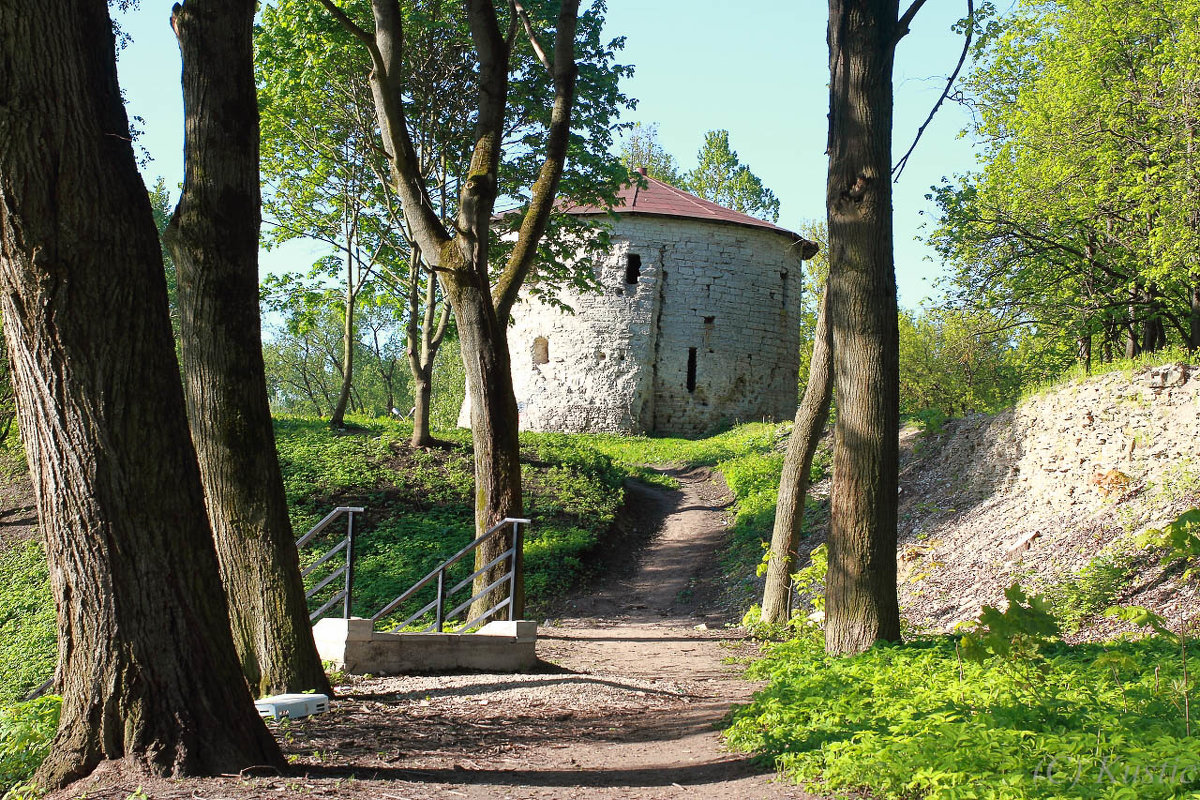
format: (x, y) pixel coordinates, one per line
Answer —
(349, 564)
(517, 562)
(441, 598)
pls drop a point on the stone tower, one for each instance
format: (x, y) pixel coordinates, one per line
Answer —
(697, 325)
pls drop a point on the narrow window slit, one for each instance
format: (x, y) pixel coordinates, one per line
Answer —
(691, 371)
(633, 267)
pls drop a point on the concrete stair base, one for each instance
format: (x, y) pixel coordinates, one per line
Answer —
(353, 645)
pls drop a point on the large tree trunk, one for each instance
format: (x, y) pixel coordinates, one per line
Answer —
(861, 604)
(484, 347)
(213, 238)
(811, 418)
(147, 666)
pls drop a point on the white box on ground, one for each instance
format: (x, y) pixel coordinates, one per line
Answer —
(292, 706)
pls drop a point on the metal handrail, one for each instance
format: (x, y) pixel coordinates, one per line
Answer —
(439, 574)
(346, 543)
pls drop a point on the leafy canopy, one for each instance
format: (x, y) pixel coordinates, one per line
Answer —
(1082, 219)
(721, 177)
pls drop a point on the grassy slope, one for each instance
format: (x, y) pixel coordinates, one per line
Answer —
(420, 503)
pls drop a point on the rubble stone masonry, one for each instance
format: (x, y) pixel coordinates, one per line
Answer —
(697, 325)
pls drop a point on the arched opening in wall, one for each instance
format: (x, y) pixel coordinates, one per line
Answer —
(541, 351)
(691, 370)
(633, 267)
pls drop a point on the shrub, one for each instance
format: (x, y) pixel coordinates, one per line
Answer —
(1091, 590)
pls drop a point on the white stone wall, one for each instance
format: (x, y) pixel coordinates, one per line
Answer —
(620, 362)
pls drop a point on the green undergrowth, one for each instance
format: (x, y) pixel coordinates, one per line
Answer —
(27, 638)
(918, 721)
(1002, 710)
(420, 504)
(26, 730)
(1081, 595)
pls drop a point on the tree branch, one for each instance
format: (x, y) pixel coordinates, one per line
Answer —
(905, 20)
(386, 48)
(541, 203)
(478, 194)
(519, 10)
(962, 58)
(347, 23)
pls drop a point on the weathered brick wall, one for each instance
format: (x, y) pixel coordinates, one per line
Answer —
(721, 299)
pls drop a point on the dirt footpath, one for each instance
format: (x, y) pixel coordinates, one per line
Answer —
(638, 671)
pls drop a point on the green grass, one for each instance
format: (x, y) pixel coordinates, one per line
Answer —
(740, 441)
(913, 721)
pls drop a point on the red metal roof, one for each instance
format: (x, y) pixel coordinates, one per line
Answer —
(664, 200)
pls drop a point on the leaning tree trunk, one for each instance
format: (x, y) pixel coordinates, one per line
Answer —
(861, 603)
(213, 238)
(484, 345)
(147, 666)
(811, 418)
(1083, 352)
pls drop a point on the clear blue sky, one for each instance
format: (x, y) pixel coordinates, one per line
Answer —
(758, 69)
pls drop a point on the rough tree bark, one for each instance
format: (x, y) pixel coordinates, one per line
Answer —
(861, 605)
(213, 238)
(811, 417)
(481, 310)
(147, 666)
